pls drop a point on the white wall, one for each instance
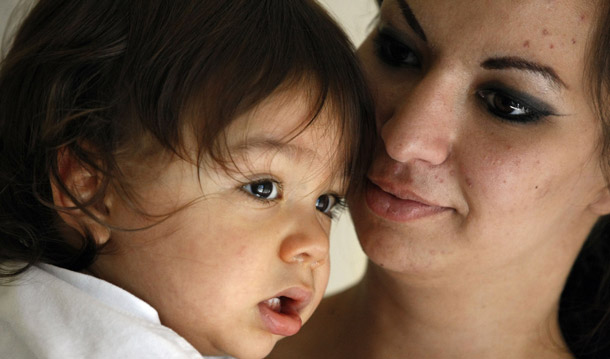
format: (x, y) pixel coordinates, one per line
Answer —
(348, 261)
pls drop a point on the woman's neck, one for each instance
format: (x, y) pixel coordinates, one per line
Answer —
(389, 315)
(473, 317)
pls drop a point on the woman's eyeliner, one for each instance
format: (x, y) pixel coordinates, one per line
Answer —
(393, 52)
(501, 101)
(514, 106)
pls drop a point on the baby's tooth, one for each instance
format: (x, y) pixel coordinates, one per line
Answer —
(274, 304)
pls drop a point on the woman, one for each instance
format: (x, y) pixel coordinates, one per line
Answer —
(489, 177)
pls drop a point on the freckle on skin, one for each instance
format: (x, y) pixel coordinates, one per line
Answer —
(552, 46)
(573, 41)
(583, 17)
(545, 32)
(526, 43)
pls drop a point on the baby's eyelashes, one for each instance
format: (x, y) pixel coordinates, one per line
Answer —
(269, 190)
(265, 190)
(330, 204)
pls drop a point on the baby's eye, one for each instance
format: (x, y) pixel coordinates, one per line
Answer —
(328, 203)
(395, 53)
(265, 189)
(510, 108)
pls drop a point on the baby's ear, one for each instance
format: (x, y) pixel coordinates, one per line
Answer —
(601, 206)
(80, 184)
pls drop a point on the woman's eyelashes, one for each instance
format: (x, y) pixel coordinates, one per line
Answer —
(393, 52)
(504, 103)
(514, 108)
(268, 191)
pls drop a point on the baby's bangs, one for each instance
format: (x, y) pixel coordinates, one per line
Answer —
(279, 44)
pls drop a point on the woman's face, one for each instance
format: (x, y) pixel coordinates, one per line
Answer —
(488, 153)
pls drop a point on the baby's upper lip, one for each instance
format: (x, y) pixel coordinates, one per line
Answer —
(298, 298)
(402, 191)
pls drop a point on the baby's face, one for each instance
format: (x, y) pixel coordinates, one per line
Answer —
(247, 262)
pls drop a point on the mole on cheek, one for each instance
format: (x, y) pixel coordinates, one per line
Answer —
(469, 182)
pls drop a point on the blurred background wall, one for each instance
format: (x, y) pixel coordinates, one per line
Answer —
(348, 262)
(355, 16)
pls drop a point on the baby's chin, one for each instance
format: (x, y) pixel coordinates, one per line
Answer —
(256, 347)
(258, 352)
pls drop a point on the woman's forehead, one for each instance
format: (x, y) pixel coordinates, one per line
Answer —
(554, 33)
(484, 17)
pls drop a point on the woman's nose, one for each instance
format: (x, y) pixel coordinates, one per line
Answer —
(421, 124)
(307, 242)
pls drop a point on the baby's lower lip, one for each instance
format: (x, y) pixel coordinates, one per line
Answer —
(285, 321)
(393, 208)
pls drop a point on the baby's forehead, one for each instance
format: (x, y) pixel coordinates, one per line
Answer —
(293, 117)
(309, 147)
(310, 153)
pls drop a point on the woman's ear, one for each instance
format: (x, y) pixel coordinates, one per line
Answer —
(81, 183)
(601, 206)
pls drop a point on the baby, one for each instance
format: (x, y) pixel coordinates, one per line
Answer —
(169, 171)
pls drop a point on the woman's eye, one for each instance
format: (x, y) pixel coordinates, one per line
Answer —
(329, 204)
(267, 189)
(509, 108)
(395, 53)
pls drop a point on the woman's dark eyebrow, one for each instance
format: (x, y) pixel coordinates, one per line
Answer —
(411, 20)
(503, 63)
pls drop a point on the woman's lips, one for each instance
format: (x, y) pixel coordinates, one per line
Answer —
(280, 314)
(397, 209)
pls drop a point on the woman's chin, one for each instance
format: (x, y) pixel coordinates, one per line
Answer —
(400, 248)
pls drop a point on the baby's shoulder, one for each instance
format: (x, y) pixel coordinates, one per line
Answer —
(51, 312)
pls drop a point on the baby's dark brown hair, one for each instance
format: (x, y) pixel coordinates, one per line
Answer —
(109, 80)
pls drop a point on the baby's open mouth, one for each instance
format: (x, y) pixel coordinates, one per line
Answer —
(280, 314)
(278, 303)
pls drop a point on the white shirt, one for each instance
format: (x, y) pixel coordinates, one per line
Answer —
(50, 312)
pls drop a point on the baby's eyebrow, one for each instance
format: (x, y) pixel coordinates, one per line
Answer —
(293, 153)
(289, 150)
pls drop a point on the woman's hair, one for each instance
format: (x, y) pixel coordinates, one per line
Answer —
(584, 313)
(113, 81)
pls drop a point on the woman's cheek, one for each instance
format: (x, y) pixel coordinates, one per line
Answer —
(507, 181)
